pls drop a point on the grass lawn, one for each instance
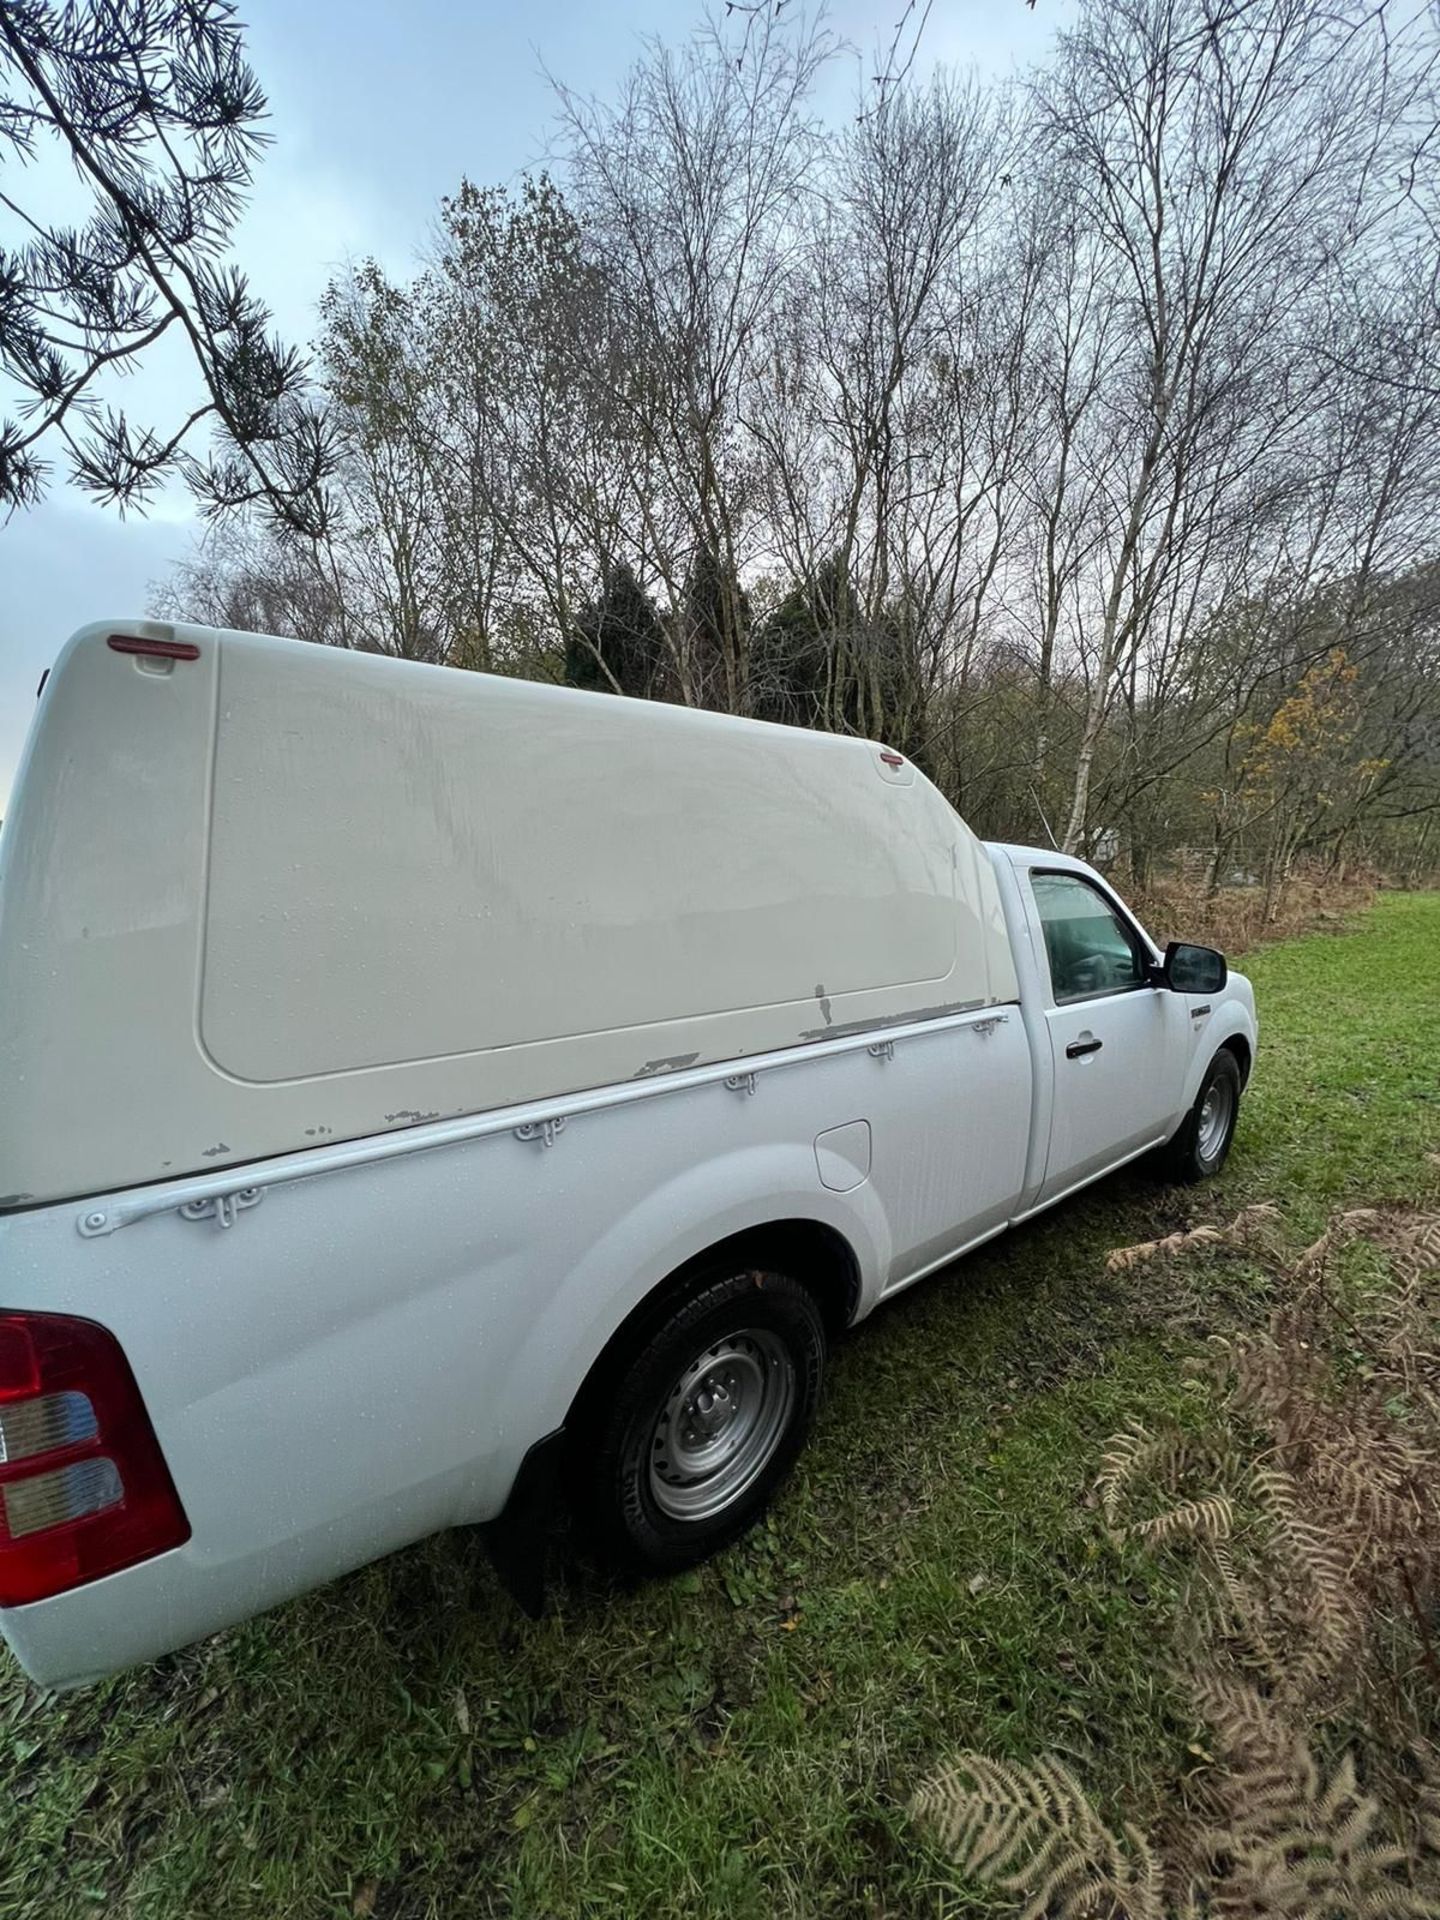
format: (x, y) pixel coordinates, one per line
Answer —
(743, 1741)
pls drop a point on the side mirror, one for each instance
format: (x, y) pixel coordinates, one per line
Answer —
(1190, 969)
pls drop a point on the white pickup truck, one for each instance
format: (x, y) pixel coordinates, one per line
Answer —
(424, 1096)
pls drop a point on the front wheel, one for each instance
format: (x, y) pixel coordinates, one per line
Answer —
(695, 1430)
(1199, 1149)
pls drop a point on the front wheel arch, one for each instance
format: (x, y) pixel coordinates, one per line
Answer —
(1244, 1058)
(1190, 1156)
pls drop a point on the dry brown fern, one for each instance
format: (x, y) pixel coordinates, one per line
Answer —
(1350, 1406)
(1138, 1454)
(1122, 1257)
(1212, 1517)
(1403, 1327)
(1254, 1221)
(1252, 1225)
(1333, 1414)
(1340, 1232)
(1310, 1500)
(1413, 1243)
(1427, 1762)
(1279, 1838)
(1239, 1606)
(1327, 1611)
(1277, 1379)
(1243, 1719)
(1273, 1839)
(1033, 1834)
(1164, 1461)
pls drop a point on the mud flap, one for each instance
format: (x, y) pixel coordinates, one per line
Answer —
(518, 1541)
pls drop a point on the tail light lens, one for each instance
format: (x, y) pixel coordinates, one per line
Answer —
(84, 1489)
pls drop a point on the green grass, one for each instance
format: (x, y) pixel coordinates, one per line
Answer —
(743, 1742)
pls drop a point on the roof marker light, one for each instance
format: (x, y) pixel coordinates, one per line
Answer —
(153, 649)
(890, 759)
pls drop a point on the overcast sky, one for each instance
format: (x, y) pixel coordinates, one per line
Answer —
(377, 109)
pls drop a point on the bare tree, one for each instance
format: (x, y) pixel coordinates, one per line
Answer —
(1219, 154)
(1078, 438)
(691, 186)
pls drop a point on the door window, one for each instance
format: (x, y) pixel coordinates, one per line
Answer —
(1090, 948)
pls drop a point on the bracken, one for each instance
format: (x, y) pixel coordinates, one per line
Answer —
(1311, 1500)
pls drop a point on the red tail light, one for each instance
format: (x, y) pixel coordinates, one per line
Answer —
(84, 1490)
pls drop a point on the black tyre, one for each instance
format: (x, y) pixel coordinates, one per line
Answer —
(687, 1438)
(1200, 1147)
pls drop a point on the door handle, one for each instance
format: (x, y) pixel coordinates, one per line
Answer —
(1078, 1047)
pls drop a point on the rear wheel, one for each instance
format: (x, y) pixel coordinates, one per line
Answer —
(690, 1434)
(1200, 1147)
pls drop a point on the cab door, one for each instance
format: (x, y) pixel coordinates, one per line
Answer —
(1117, 1043)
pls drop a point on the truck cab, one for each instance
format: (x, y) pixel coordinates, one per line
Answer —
(1119, 1044)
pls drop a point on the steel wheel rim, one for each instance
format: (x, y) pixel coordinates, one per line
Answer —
(1215, 1114)
(721, 1424)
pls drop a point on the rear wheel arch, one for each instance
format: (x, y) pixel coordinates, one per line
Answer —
(700, 1405)
(815, 1254)
(814, 1257)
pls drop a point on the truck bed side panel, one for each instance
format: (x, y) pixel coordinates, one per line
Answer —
(366, 1355)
